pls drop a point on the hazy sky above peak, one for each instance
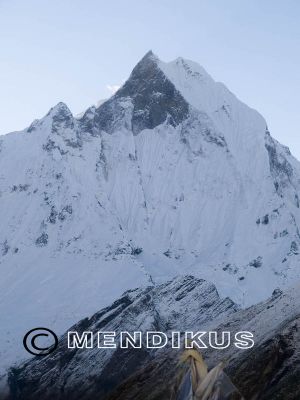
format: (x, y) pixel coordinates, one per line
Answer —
(80, 51)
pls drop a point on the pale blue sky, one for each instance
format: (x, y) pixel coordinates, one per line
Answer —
(70, 50)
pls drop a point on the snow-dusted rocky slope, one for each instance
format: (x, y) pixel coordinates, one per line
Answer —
(268, 371)
(171, 175)
(93, 373)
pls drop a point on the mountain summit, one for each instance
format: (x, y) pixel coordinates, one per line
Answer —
(172, 175)
(153, 98)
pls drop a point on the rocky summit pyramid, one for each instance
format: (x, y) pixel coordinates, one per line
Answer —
(172, 175)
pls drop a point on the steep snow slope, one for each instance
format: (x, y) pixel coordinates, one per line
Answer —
(171, 175)
(62, 250)
(220, 195)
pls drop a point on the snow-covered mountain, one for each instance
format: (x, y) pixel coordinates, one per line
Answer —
(172, 175)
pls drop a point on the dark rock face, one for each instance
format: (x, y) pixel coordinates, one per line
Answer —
(42, 240)
(62, 118)
(153, 98)
(272, 370)
(156, 380)
(95, 373)
(280, 168)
